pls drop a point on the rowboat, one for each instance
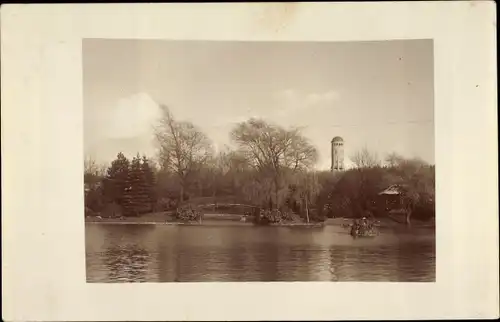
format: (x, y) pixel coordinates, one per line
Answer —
(356, 233)
(358, 230)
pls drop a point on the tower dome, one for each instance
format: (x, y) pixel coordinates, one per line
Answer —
(337, 139)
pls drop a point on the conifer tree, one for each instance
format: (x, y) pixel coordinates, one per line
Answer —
(137, 194)
(115, 180)
(150, 182)
(142, 193)
(130, 206)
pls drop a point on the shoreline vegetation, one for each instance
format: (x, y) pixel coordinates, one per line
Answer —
(167, 218)
(268, 177)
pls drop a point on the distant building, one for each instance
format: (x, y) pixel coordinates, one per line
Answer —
(392, 198)
(337, 154)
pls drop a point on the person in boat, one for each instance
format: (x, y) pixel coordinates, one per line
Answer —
(368, 224)
(355, 228)
(360, 226)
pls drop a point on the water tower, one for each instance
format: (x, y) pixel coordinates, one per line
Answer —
(337, 154)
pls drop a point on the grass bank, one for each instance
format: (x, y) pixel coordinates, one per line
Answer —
(152, 218)
(166, 218)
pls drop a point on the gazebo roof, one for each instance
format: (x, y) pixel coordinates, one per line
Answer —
(395, 189)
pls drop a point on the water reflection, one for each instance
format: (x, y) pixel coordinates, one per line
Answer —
(130, 253)
(127, 264)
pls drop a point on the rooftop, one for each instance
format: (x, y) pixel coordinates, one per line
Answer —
(392, 190)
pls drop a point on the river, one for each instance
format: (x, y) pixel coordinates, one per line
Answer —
(218, 252)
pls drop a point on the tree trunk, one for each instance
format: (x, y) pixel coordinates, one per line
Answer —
(214, 186)
(276, 188)
(307, 211)
(276, 192)
(408, 216)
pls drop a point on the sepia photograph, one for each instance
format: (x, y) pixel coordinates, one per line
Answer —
(183, 162)
(259, 161)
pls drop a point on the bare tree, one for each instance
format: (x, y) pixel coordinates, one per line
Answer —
(92, 169)
(218, 167)
(274, 151)
(364, 158)
(393, 159)
(89, 165)
(183, 148)
(396, 160)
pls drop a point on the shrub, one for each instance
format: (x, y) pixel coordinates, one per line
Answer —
(274, 216)
(188, 213)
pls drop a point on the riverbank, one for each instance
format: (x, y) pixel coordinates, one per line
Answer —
(383, 223)
(151, 218)
(166, 218)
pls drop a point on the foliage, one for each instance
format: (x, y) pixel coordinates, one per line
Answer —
(114, 183)
(139, 190)
(149, 181)
(304, 189)
(94, 202)
(418, 192)
(93, 175)
(188, 213)
(356, 193)
(135, 196)
(183, 148)
(127, 188)
(273, 216)
(271, 169)
(273, 152)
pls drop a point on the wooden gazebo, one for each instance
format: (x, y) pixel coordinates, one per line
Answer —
(391, 198)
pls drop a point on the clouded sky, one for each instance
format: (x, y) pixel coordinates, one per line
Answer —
(377, 95)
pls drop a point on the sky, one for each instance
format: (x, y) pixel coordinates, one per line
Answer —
(378, 95)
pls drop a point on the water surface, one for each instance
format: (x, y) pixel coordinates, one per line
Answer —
(161, 253)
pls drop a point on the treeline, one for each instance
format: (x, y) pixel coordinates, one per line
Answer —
(271, 167)
(356, 192)
(127, 187)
